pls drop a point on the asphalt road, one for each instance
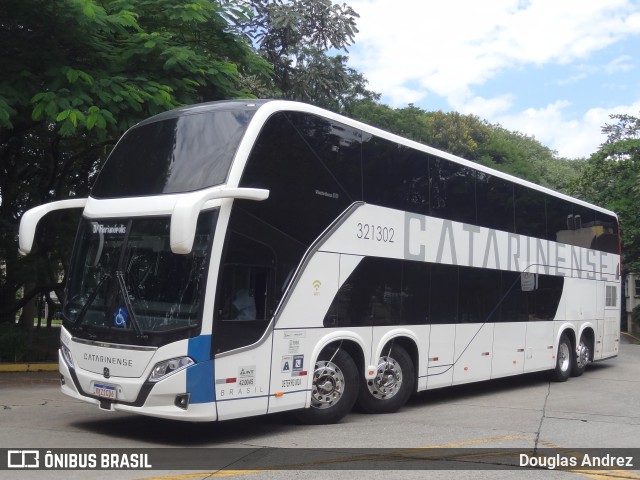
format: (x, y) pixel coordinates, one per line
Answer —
(601, 409)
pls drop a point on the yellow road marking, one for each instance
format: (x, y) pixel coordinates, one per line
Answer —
(222, 473)
(403, 455)
(616, 473)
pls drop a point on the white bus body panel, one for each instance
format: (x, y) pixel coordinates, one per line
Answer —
(509, 345)
(313, 293)
(442, 339)
(242, 382)
(300, 335)
(540, 346)
(473, 352)
(581, 299)
(611, 336)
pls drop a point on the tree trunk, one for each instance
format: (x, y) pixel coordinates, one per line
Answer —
(29, 312)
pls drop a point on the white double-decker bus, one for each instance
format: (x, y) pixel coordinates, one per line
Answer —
(243, 258)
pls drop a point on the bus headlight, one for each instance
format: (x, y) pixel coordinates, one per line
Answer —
(169, 367)
(66, 354)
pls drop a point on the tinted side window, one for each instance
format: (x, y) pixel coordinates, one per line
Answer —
(580, 231)
(530, 212)
(245, 295)
(606, 230)
(583, 217)
(452, 191)
(395, 176)
(480, 295)
(443, 294)
(415, 293)
(390, 292)
(337, 148)
(257, 266)
(494, 198)
(305, 195)
(559, 219)
(543, 301)
(246, 289)
(370, 296)
(515, 302)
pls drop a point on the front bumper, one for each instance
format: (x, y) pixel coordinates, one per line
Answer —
(136, 395)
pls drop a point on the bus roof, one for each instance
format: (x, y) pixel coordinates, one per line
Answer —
(274, 106)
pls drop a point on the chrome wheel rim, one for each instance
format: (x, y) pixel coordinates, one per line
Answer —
(582, 355)
(328, 385)
(387, 381)
(564, 358)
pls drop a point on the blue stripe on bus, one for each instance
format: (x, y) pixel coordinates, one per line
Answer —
(200, 377)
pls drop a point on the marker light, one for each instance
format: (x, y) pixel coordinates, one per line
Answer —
(167, 368)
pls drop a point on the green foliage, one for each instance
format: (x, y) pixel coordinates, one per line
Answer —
(294, 37)
(525, 157)
(13, 343)
(18, 345)
(102, 66)
(452, 132)
(611, 178)
(76, 74)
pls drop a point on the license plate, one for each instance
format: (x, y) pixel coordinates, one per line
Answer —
(104, 391)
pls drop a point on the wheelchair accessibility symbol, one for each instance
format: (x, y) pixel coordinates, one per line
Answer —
(120, 317)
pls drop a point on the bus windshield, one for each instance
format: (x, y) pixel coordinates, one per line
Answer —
(161, 156)
(125, 277)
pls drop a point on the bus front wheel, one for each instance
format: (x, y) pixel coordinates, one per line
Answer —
(564, 360)
(334, 388)
(391, 387)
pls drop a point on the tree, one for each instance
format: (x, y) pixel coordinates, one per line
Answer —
(525, 157)
(295, 37)
(76, 74)
(611, 179)
(451, 132)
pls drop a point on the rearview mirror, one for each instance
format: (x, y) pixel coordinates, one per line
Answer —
(30, 219)
(185, 213)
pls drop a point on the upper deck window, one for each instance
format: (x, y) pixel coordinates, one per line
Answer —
(180, 154)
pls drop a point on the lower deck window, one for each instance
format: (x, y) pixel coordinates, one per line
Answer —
(383, 291)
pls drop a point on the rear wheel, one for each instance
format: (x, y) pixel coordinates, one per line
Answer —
(582, 357)
(393, 384)
(564, 360)
(334, 388)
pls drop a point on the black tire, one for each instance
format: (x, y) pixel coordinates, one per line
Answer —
(565, 359)
(334, 388)
(582, 357)
(393, 384)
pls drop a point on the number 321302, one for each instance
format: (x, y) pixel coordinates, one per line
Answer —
(375, 233)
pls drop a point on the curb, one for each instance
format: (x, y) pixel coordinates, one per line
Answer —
(637, 340)
(28, 367)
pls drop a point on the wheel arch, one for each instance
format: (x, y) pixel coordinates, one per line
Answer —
(588, 330)
(407, 340)
(570, 331)
(353, 344)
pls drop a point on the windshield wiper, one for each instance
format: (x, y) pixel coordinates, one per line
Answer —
(127, 302)
(92, 296)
